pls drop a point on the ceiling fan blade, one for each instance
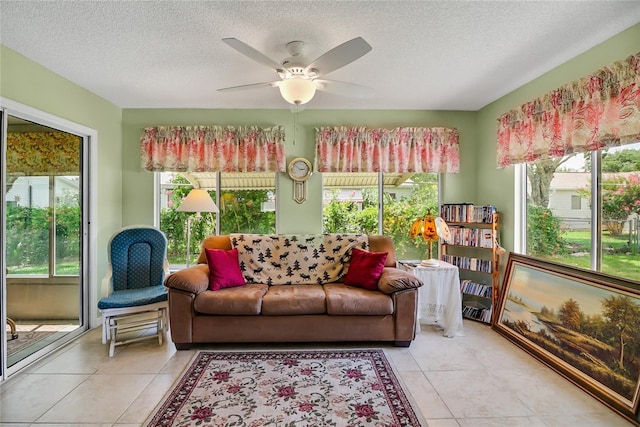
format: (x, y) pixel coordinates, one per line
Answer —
(340, 56)
(344, 88)
(249, 86)
(247, 50)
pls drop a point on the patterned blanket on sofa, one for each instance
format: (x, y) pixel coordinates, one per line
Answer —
(296, 259)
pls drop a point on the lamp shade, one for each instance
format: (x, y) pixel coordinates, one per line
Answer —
(198, 200)
(424, 227)
(297, 90)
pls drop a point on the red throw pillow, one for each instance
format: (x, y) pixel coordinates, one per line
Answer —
(365, 269)
(224, 269)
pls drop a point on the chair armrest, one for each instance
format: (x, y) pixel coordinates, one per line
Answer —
(393, 280)
(193, 279)
(106, 287)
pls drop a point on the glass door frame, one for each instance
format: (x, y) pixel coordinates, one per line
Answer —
(88, 272)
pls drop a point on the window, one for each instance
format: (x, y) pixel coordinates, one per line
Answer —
(247, 205)
(43, 209)
(351, 202)
(576, 202)
(600, 230)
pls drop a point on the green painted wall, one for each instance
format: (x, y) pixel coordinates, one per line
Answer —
(496, 186)
(292, 217)
(25, 82)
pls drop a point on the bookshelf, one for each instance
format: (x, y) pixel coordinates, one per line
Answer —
(472, 247)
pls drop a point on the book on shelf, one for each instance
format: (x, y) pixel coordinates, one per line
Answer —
(473, 237)
(483, 314)
(467, 212)
(468, 263)
(474, 288)
(476, 307)
(487, 238)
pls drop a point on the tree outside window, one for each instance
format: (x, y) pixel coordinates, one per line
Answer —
(561, 234)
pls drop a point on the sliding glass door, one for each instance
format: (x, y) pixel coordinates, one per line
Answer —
(44, 248)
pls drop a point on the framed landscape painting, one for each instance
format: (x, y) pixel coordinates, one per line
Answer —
(583, 324)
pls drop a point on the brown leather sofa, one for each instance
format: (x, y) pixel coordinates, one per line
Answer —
(256, 312)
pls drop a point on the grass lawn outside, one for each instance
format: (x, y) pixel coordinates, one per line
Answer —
(617, 260)
(62, 269)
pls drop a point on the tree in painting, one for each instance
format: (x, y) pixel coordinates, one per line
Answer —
(570, 314)
(621, 314)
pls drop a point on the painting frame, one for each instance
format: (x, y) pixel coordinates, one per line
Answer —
(571, 335)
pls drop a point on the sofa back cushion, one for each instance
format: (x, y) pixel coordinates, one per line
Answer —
(213, 242)
(379, 243)
(287, 259)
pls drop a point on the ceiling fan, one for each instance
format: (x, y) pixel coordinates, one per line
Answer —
(299, 77)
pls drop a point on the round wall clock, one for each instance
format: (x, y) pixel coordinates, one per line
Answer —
(299, 170)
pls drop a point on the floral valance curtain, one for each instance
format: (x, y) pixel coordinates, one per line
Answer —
(212, 149)
(597, 111)
(43, 154)
(356, 149)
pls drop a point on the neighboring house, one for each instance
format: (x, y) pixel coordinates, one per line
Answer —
(567, 204)
(33, 191)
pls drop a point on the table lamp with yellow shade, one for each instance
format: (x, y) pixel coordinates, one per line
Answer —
(429, 227)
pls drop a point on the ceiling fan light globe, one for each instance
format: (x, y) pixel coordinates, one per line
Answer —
(297, 91)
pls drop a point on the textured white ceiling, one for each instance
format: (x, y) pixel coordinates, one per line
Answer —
(451, 55)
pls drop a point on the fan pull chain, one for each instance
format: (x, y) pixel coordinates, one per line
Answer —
(295, 124)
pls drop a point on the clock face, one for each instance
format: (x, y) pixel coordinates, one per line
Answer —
(300, 169)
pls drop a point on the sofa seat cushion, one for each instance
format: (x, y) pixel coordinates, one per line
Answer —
(240, 301)
(347, 300)
(294, 299)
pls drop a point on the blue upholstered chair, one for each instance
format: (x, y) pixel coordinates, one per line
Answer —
(137, 300)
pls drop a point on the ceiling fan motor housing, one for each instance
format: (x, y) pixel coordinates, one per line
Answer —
(296, 63)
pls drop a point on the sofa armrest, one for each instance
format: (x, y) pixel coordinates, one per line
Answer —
(393, 280)
(193, 279)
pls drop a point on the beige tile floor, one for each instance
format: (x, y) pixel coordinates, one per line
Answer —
(477, 380)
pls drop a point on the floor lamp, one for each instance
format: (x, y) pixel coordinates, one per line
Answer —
(198, 200)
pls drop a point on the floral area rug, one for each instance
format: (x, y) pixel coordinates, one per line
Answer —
(292, 388)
